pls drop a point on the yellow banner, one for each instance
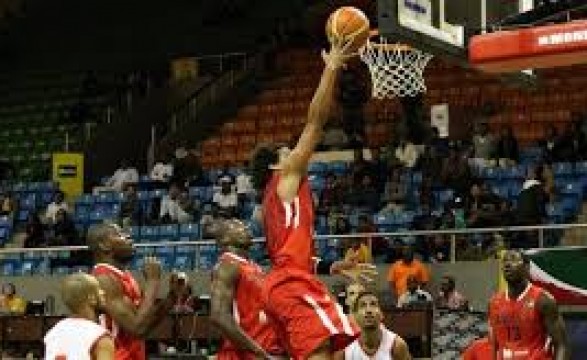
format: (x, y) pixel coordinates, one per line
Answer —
(68, 172)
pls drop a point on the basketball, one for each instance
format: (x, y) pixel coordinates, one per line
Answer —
(348, 22)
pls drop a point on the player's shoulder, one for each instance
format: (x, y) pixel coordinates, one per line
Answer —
(497, 298)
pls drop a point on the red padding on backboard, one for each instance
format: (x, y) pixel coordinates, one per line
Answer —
(531, 48)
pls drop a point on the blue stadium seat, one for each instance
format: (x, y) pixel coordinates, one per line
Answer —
(135, 232)
(189, 232)
(28, 267)
(337, 167)
(23, 215)
(85, 199)
(157, 193)
(183, 263)
(316, 167)
(168, 232)
(28, 201)
(491, 173)
(385, 222)
(416, 177)
(515, 172)
(4, 235)
(316, 182)
(562, 169)
(109, 197)
(581, 168)
(444, 196)
(149, 233)
(19, 187)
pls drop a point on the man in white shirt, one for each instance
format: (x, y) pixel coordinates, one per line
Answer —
(54, 207)
(80, 336)
(376, 342)
(171, 209)
(161, 172)
(226, 200)
(414, 297)
(124, 175)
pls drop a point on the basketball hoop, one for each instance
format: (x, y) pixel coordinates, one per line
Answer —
(396, 69)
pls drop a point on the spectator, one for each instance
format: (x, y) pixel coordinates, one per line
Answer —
(335, 138)
(448, 297)
(366, 196)
(244, 186)
(225, 201)
(360, 167)
(483, 146)
(171, 211)
(207, 222)
(395, 193)
(482, 207)
(414, 296)
(161, 173)
(571, 144)
(402, 269)
(34, 232)
(64, 231)
(10, 302)
(131, 212)
(125, 174)
(429, 163)
(188, 208)
(7, 205)
(57, 204)
(406, 153)
(331, 195)
(455, 173)
(506, 150)
(549, 145)
(531, 209)
(438, 146)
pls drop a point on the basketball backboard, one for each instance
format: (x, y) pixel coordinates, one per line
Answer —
(442, 27)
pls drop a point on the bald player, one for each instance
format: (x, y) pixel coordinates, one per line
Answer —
(352, 292)
(524, 321)
(376, 341)
(129, 312)
(237, 304)
(79, 336)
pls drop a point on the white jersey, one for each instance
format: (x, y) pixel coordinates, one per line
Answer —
(72, 339)
(355, 352)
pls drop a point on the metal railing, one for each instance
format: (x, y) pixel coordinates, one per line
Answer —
(456, 240)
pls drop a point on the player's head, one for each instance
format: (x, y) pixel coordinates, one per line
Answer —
(233, 235)
(109, 243)
(81, 292)
(515, 266)
(352, 292)
(266, 158)
(367, 310)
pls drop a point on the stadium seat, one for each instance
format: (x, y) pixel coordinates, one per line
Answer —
(317, 168)
(189, 232)
(562, 169)
(338, 167)
(168, 233)
(149, 233)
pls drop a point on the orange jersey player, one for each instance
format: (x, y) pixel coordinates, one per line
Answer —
(129, 314)
(311, 323)
(237, 304)
(524, 320)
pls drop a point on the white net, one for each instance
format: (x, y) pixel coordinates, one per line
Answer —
(396, 69)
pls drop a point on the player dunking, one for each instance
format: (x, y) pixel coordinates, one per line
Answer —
(129, 314)
(524, 320)
(79, 336)
(311, 323)
(237, 304)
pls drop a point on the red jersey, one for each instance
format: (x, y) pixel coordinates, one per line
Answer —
(479, 350)
(517, 326)
(248, 309)
(289, 227)
(127, 346)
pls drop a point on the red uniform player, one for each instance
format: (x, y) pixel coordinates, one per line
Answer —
(524, 319)
(128, 314)
(237, 304)
(311, 323)
(479, 349)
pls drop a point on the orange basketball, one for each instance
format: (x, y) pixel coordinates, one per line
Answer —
(348, 22)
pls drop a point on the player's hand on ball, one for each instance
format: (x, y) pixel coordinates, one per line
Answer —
(340, 52)
(152, 269)
(355, 271)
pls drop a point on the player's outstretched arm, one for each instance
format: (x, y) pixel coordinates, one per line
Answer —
(103, 349)
(296, 164)
(224, 281)
(555, 326)
(400, 350)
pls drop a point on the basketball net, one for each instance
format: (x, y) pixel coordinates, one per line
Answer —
(396, 69)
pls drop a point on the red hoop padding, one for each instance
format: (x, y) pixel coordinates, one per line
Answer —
(531, 48)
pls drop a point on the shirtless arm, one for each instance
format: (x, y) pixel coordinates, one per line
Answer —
(223, 284)
(103, 349)
(400, 350)
(555, 326)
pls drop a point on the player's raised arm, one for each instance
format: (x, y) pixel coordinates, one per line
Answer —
(295, 165)
(225, 277)
(555, 327)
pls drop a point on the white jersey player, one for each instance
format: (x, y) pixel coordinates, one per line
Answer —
(79, 337)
